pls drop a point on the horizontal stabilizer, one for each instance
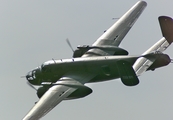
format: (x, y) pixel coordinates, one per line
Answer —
(127, 73)
(144, 63)
(166, 25)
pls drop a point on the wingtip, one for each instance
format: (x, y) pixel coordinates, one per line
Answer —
(143, 3)
(166, 25)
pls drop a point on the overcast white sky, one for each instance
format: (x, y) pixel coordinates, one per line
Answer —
(32, 32)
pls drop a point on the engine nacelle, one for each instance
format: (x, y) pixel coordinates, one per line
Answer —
(162, 60)
(41, 91)
(83, 49)
(82, 91)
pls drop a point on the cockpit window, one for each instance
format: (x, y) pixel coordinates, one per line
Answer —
(33, 74)
(46, 63)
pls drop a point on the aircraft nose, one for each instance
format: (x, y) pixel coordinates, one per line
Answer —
(33, 76)
(30, 76)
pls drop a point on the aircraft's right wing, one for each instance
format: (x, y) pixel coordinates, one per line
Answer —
(49, 100)
(63, 89)
(166, 24)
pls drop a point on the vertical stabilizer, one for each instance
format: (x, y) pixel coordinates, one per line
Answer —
(166, 25)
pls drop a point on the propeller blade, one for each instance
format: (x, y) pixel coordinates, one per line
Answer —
(31, 85)
(115, 18)
(23, 77)
(68, 42)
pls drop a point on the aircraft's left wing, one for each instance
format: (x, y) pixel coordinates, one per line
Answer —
(108, 43)
(61, 90)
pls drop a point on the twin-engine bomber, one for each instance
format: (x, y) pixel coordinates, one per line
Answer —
(102, 61)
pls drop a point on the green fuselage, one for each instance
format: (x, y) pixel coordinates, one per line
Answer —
(103, 68)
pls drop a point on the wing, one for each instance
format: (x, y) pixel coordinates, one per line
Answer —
(68, 87)
(48, 101)
(143, 64)
(108, 43)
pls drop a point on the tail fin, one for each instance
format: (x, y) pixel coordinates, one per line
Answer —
(166, 24)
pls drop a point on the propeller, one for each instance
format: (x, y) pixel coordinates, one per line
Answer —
(69, 44)
(115, 18)
(31, 86)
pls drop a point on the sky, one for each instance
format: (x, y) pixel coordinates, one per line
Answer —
(32, 32)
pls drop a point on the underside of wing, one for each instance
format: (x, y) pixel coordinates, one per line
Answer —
(65, 88)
